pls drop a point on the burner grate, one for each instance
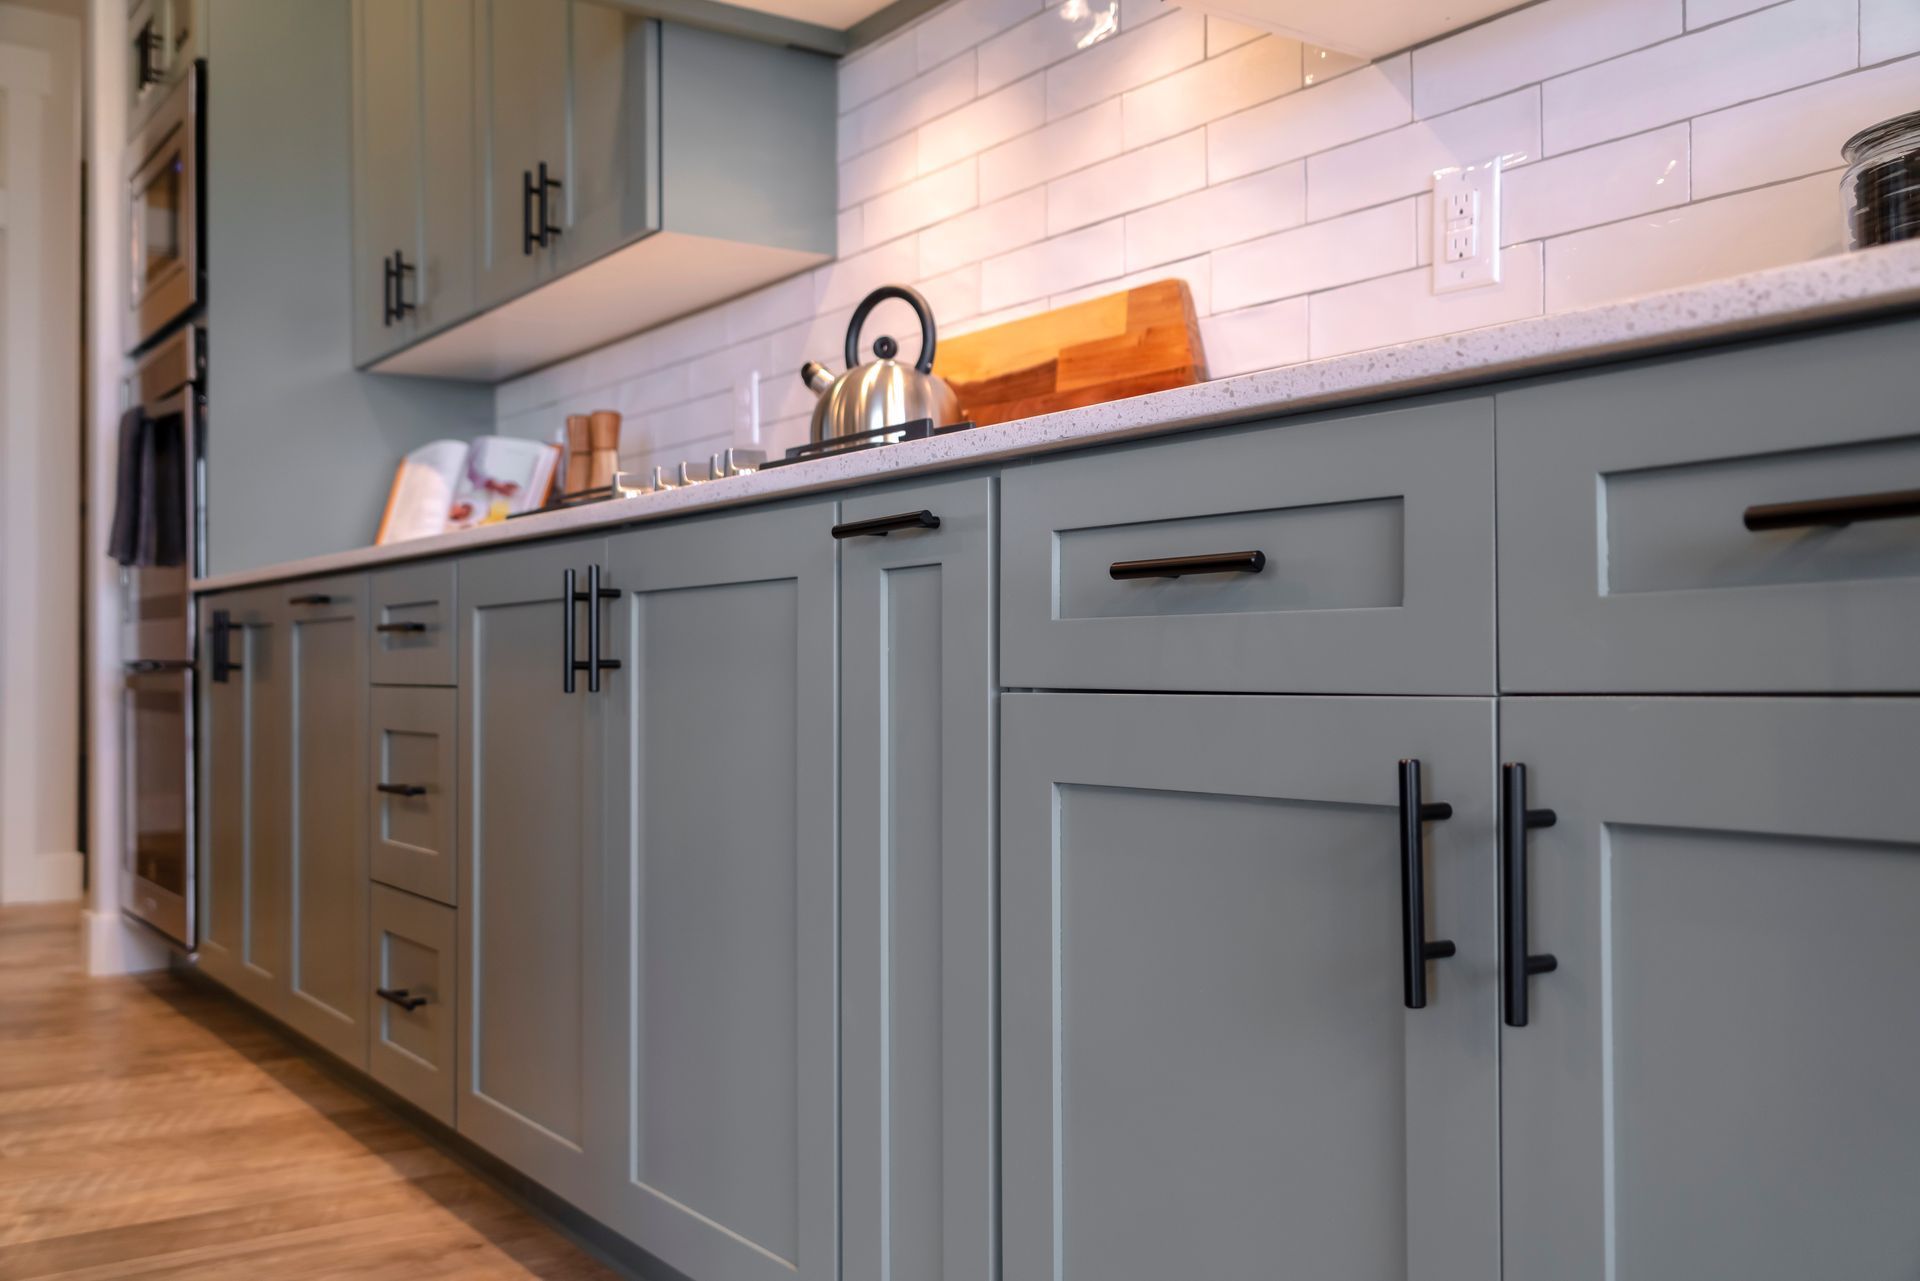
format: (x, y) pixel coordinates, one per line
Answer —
(918, 429)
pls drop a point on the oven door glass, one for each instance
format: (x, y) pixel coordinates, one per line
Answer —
(158, 768)
(154, 621)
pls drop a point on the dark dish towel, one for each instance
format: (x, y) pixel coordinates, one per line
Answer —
(150, 500)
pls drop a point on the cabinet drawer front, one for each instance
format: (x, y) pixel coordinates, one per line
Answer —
(1329, 555)
(413, 1023)
(414, 786)
(413, 613)
(1627, 559)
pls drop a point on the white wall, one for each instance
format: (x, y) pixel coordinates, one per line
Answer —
(985, 158)
(40, 426)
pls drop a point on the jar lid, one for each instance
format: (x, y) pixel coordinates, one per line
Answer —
(1900, 133)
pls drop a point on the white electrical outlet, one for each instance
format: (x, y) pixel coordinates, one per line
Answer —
(1466, 227)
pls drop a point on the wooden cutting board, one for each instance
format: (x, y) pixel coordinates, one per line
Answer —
(1124, 344)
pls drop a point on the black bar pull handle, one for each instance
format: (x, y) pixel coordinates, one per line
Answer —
(527, 240)
(400, 789)
(569, 597)
(1834, 513)
(400, 997)
(388, 280)
(548, 230)
(1516, 964)
(881, 526)
(1179, 566)
(594, 664)
(409, 628)
(401, 270)
(1415, 950)
(223, 664)
(311, 598)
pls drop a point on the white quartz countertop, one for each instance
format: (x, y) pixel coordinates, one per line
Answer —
(1824, 290)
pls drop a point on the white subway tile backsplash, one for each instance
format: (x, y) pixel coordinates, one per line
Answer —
(902, 110)
(938, 196)
(1615, 180)
(882, 169)
(1124, 62)
(1127, 182)
(1764, 52)
(1701, 13)
(1367, 101)
(1061, 147)
(991, 161)
(1707, 240)
(1052, 266)
(954, 27)
(1038, 42)
(1402, 308)
(865, 75)
(1403, 162)
(1796, 133)
(1531, 44)
(1224, 34)
(1253, 338)
(1320, 255)
(1250, 74)
(1888, 29)
(1006, 113)
(986, 232)
(1223, 214)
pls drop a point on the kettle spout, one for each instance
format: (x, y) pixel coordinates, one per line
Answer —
(816, 376)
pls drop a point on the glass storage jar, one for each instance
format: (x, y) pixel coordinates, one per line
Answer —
(1881, 191)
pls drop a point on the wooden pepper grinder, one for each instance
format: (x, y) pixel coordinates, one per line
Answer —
(579, 455)
(603, 430)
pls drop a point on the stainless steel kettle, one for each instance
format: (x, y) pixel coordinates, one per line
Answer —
(882, 393)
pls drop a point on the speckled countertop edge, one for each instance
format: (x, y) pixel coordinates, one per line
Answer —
(1822, 291)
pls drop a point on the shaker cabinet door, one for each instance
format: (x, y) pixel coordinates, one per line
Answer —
(243, 797)
(530, 890)
(916, 886)
(326, 663)
(1716, 1081)
(387, 170)
(613, 138)
(1210, 1068)
(522, 95)
(719, 905)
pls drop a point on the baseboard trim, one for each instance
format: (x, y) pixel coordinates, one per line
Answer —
(116, 945)
(593, 1237)
(44, 876)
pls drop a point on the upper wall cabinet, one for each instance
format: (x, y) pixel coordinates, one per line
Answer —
(567, 173)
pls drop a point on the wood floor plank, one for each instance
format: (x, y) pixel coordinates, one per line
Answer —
(152, 1130)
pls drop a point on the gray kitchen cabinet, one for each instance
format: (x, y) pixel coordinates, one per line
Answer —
(531, 893)
(414, 993)
(413, 168)
(918, 1022)
(413, 625)
(1717, 1079)
(1342, 553)
(1209, 1067)
(719, 904)
(325, 621)
(414, 800)
(1637, 553)
(243, 794)
(522, 51)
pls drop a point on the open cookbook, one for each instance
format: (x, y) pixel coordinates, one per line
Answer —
(449, 484)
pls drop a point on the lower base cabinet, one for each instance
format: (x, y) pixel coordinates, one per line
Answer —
(1209, 1066)
(718, 911)
(413, 1011)
(1717, 1080)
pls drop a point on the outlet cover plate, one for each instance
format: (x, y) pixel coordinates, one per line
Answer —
(1466, 226)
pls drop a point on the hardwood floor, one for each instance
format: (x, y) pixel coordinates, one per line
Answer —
(151, 1129)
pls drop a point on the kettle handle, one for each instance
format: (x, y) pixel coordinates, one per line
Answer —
(909, 296)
